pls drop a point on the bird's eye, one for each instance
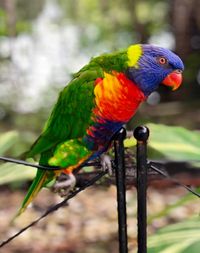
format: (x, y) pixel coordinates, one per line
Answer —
(162, 60)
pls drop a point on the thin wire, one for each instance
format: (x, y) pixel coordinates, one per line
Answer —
(42, 167)
(173, 179)
(56, 207)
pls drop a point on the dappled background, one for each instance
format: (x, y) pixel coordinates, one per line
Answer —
(41, 43)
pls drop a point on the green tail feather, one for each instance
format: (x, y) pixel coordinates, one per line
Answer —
(35, 187)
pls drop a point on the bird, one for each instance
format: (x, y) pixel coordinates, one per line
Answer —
(101, 97)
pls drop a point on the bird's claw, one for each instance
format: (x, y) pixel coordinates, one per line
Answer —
(64, 184)
(106, 163)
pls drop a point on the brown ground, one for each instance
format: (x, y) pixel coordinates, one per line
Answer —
(88, 224)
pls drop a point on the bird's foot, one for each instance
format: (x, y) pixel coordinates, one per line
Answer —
(106, 163)
(64, 184)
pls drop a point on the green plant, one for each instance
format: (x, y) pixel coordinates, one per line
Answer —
(10, 173)
(182, 237)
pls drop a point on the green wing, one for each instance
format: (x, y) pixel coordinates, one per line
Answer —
(69, 118)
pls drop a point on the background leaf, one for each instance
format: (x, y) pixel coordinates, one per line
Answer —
(9, 172)
(12, 173)
(171, 142)
(175, 143)
(7, 140)
(182, 237)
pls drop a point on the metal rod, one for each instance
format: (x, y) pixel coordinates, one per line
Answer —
(121, 190)
(141, 134)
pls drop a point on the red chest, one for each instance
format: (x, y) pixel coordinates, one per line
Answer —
(117, 98)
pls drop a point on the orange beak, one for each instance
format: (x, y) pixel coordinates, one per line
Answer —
(173, 80)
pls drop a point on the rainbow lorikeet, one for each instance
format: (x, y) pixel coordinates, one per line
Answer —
(101, 97)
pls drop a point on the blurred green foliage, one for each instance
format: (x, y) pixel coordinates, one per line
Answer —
(7, 140)
(181, 237)
(2, 23)
(171, 143)
(12, 173)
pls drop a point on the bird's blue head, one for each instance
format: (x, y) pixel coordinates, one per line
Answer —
(149, 66)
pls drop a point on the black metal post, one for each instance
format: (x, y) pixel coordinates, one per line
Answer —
(121, 190)
(141, 133)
